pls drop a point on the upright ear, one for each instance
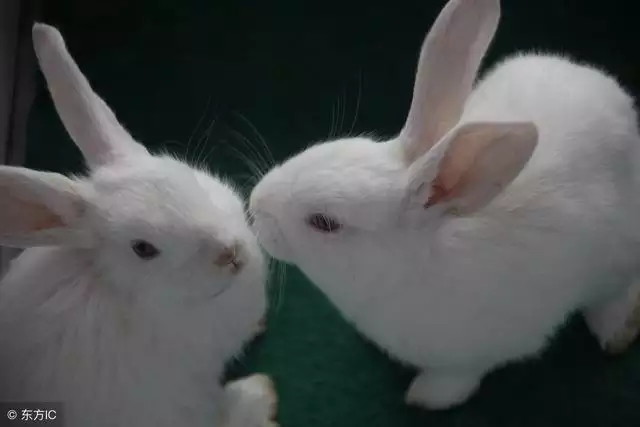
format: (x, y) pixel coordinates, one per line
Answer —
(472, 164)
(449, 61)
(87, 118)
(40, 209)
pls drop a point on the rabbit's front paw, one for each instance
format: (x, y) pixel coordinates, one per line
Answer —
(616, 323)
(442, 390)
(252, 402)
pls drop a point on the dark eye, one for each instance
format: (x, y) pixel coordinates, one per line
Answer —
(323, 223)
(144, 250)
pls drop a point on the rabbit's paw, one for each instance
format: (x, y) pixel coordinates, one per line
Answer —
(442, 390)
(616, 323)
(252, 402)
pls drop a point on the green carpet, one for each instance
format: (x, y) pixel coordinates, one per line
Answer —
(182, 75)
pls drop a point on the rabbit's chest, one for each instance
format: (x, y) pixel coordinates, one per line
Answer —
(106, 370)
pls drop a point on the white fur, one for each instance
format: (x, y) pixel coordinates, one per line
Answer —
(123, 341)
(459, 295)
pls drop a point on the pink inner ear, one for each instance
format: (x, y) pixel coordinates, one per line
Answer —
(19, 216)
(456, 168)
(480, 160)
(438, 192)
(453, 173)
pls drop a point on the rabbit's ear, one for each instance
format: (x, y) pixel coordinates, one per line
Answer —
(449, 62)
(40, 209)
(89, 121)
(471, 165)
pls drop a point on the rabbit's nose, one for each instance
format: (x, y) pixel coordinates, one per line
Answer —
(231, 257)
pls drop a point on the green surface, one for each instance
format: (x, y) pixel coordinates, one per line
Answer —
(299, 72)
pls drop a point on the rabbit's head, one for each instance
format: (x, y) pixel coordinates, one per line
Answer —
(141, 223)
(357, 207)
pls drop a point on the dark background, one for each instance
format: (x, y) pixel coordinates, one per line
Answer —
(197, 76)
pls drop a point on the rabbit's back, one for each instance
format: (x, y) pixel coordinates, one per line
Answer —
(562, 235)
(586, 166)
(585, 119)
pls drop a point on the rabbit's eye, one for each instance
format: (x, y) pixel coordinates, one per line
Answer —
(323, 223)
(144, 250)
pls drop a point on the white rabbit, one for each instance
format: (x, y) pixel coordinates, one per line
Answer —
(500, 208)
(139, 283)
